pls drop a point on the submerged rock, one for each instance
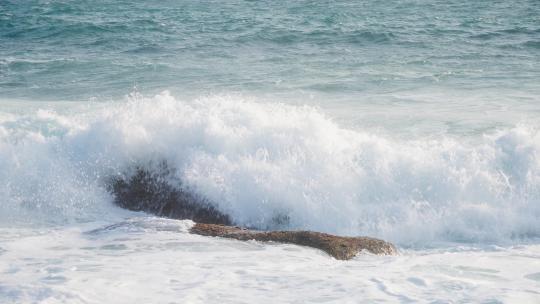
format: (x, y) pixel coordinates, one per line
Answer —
(152, 192)
(341, 248)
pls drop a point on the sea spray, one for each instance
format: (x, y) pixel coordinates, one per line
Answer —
(259, 162)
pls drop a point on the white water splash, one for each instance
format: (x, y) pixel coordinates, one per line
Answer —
(275, 165)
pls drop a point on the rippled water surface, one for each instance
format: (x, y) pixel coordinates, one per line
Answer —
(428, 59)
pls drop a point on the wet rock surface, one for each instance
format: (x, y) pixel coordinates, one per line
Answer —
(341, 248)
(153, 193)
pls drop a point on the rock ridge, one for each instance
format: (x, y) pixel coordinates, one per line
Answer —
(152, 192)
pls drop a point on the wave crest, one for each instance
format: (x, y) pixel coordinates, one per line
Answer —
(261, 162)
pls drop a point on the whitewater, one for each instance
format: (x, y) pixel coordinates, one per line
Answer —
(415, 122)
(456, 209)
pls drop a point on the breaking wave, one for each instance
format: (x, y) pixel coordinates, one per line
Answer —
(273, 166)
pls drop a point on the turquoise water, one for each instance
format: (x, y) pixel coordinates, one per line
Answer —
(425, 59)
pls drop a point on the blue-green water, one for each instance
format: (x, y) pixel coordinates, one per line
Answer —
(356, 56)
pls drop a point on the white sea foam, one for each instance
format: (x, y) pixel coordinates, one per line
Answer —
(148, 260)
(274, 166)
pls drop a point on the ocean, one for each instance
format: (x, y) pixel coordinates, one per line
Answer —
(416, 122)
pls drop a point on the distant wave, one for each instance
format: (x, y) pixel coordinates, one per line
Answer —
(260, 161)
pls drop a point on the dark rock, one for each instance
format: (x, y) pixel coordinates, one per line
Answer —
(151, 192)
(341, 248)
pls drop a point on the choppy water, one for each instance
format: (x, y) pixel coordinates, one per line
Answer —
(432, 60)
(413, 121)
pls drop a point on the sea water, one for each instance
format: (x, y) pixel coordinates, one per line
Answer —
(412, 121)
